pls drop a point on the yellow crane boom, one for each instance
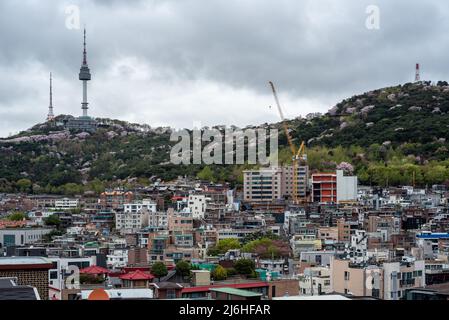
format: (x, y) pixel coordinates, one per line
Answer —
(284, 123)
(297, 155)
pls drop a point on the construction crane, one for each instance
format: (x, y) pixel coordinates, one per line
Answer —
(297, 155)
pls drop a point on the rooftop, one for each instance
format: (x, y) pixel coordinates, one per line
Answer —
(23, 260)
(137, 275)
(321, 297)
(237, 292)
(255, 284)
(9, 290)
(94, 270)
(122, 293)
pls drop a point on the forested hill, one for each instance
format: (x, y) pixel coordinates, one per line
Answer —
(395, 136)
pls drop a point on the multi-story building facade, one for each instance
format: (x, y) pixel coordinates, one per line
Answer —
(269, 184)
(115, 199)
(324, 187)
(137, 206)
(22, 236)
(346, 228)
(60, 272)
(346, 187)
(29, 271)
(333, 187)
(197, 205)
(315, 281)
(264, 185)
(399, 276)
(118, 258)
(387, 281)
(302, 181)
(67, 204)
(137, 215)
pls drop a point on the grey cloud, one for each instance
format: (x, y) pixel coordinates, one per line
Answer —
(317, 52)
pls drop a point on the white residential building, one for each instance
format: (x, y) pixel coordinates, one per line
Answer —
(38, 216)
(359, 247)
(66, 204)
(315, 281)
(346, 187)
(399, 276)
(138, 215)
(117, 259)
(58, 277)
(273, 265)
(21, 236)
(137, 206)
(288, 216)
(197, 206)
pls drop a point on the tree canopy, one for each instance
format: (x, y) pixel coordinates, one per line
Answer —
(159, 269)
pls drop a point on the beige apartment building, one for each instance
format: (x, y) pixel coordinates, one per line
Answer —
(302, 180)
(386, 281)
(269, 184)
(345, 229)
(327, 233)
(263, 185)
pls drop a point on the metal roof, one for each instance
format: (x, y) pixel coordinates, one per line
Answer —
(23, 260)
(237, 292)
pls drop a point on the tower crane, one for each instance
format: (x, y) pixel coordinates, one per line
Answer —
(297, 155)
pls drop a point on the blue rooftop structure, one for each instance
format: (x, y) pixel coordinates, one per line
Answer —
(433, 236)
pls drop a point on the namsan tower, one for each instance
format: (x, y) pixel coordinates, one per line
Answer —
(51, 116)
(84, 122)
(85, 76)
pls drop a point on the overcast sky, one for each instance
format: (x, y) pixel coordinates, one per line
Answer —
(184, 62)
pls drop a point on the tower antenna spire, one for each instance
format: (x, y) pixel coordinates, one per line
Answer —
(417, 73)
(50, 115)
(85, 51)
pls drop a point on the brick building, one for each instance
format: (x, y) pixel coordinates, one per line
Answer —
(29, 271)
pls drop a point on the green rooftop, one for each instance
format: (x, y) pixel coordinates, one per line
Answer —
(237, 292)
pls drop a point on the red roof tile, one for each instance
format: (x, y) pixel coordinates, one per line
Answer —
(94, 270)
(137, 275)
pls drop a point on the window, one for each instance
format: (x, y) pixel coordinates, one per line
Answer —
(171, 294)
(346, 275)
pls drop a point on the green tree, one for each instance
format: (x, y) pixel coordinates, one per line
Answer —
(223, 246)
(17, 216)
(53, 220)
(435, 174)
(49, 236)
(96, 186)
(245, 266)
(260, 235)
(159, 270)
(71, 189)
(183, 268)
(219, 273)
(268, 248)
(24, 185)
(206, 174)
